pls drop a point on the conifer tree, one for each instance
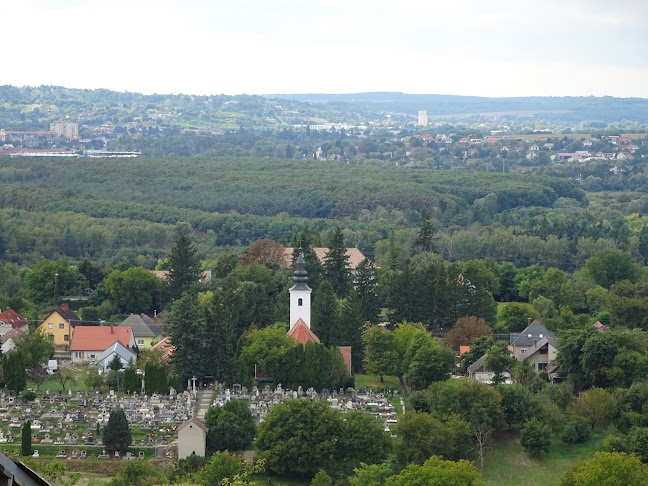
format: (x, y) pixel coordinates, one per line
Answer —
(25, 444)
(426, 240)
(324, 313)
(188, 334)
(184, 266)
(366, 287)
(117, 434)
(349, 327)
(14, 372)
(130, 378)
(336, 264)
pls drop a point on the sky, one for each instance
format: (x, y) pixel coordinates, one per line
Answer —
(494, 48)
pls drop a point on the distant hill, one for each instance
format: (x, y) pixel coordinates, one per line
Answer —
(568, 109)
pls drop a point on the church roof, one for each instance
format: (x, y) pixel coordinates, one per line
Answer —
(300, 276)
(301, 333)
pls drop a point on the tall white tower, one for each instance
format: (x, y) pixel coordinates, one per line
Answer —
(423, 121)
(300, 294)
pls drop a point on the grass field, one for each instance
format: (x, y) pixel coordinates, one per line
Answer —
(506, 464)
(373, 382)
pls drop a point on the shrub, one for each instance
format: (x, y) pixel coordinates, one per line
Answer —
(576, 431)
(30, 396)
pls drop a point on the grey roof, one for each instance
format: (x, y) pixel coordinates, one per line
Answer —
(143, 326)
(478, 364)
(533, 349)
(533, 333)
(120, 349)
(68, 315)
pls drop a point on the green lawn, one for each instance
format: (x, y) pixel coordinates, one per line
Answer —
(506, 464)
(373, 382)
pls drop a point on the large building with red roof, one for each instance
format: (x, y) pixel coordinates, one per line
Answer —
(88, 342)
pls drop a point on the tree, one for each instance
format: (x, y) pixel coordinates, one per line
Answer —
(13, 369)
(516, 401)
(93, 379)
(47, 280)
(371, 475)
(322, 479)
(137, 473)
(514, 316)
(535, 437)
(25, 444)
(64, 377)
(115, 363)
(465, 330)
(155, 380)
(37, 376)
(437, 472)
(56, 473)
(117, 434)
(93, 274)
(336, 263)
(134, 289)
(421, 435)
(35, 348)
(596, 405)
(263, 251)
(184, 266)
(231, 427)
(426, 241)
(607, 468)
(610, 266)
(498, 360)
(325, 312)
(130, 379)
(348, 327)
(221, 465)
(301, 437)
(366, 287)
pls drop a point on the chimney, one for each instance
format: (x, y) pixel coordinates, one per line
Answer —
(154, 312)
(528, 321)
(541, 321)
(64, 308)
(112, 331)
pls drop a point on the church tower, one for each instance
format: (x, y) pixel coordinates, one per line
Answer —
(300, 294)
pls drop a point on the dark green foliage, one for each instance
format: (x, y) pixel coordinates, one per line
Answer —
(188, 334)
(576, 430)
(366, 286)
(336, 264)
(155, 380)
(535, 437)
(230, 428)
(610, 266)
(30, 396)
(48, 280)
(322, 479)
(301, 437)
(135, 289)
(117, 433)
(130, 380)
(325, 313)
(25, 439)
(348, 329)
(426, 241)
(137, 473)
(516, 402)
(184, 266)
(13, 368)
(221, 465)
(115, 363)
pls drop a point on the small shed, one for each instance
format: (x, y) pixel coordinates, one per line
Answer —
(192, 438)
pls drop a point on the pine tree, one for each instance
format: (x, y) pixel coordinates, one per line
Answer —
(115, 363)
(130, 379)
(25, 444)
(366, 287)
(14, 372)
(426, 241)
(117, 434)
(393, 252)
(155, 380)
(324, 313)
(336, 264)
(351, 323)
(187, 330)
(185, 266)
(221, 316)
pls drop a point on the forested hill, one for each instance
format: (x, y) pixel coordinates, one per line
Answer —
(565, 109)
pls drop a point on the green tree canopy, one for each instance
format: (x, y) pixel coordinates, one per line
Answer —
(231, 427)
(437, 472)
(184, 266)
(117, 433)
(607, 468)
(610, 266)
(134, 290)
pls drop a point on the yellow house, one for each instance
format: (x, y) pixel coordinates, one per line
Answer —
(59, 326)
(145, 330)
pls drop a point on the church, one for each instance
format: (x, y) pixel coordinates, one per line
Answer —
(300, 310)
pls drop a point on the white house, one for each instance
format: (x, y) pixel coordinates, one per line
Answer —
(125, 354)
(192, 438)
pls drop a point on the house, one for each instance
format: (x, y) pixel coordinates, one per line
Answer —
(164, 274)
(540, 355)
(478, 372)
(9, 340)
(126, 355)
(354, 255)
(89, 342)
(520, 342)
(601, 327)
(59, 325)
(145, 330)
(10, 319)
(166, 347)
(192, 438)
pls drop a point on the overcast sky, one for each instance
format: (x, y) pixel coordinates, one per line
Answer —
(463, 47)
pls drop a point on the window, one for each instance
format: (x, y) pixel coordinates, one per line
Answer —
(51, 337)
(61, 326)
(529, 335)
(66, 337)
(92, 356)
(542, 366)
(300, 302)
(140, 341)
(541, 336)
(77, 354)
(50, 326)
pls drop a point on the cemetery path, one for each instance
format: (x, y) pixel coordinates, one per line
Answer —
(206, 397)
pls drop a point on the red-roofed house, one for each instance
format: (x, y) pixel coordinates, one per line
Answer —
(165, 347)
(11, 318)
(9, 340)
(88, 342)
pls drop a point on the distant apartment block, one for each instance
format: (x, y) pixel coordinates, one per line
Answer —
(423, 118)
(65, 129)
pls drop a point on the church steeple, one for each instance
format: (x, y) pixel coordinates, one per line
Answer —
(300, 294)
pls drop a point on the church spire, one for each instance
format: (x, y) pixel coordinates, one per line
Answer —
(300, 294)
(300, 275)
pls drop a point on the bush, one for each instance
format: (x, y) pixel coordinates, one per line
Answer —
(30, 396)
(535, 437)
(576, 431)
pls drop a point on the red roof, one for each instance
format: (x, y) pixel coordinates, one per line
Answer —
(463, 349)
(166, 347)
(302, 333)
(12, 318)
(99, 338)
(13, 333)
